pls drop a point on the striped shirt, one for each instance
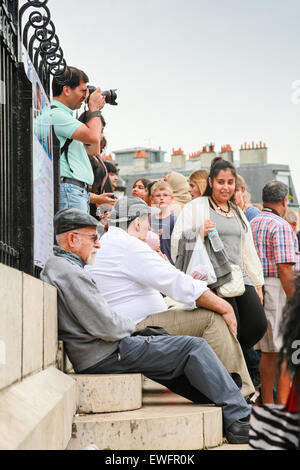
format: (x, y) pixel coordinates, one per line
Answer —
(274, 242)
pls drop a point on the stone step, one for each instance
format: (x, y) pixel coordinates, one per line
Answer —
(164, 397)
(37, 413)
(166, 422)
(227, 446)
(108, 393)
(151, 386)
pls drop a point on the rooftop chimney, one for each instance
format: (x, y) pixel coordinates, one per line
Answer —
(141, 161)
(256, 154)
(195, 155)
(227, 153)
(207, 155)
(178, 159)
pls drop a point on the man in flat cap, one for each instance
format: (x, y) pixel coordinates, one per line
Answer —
(86, 323)
(99, 340)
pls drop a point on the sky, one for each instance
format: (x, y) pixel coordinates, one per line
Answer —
(191, 72)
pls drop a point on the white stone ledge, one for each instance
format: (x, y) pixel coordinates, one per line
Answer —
(50, 339)
(11, 288)
(28, 326)
(32, 355)
(106, 393)
(37, 413)
(158, 427)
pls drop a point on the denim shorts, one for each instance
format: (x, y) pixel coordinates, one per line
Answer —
(72, 196)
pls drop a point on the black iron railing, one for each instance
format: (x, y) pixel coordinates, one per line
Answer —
(41, 41)
(9, 253)
(27, 22)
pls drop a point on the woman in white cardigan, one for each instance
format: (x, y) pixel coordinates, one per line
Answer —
(214, 210)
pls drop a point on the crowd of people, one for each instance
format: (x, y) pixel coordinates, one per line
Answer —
(191, 280)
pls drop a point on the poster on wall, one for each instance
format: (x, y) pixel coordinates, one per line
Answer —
(42, 168)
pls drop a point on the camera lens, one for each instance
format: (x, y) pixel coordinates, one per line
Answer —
(110, 97)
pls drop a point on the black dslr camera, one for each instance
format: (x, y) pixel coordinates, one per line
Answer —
(110, 95)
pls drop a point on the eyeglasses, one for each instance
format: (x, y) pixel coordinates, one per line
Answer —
(93, 238)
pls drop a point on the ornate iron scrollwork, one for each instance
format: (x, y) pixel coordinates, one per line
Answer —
(43, 46)
(8, 250)
(8, 31)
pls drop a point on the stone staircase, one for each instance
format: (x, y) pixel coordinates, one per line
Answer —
(39, 394)
(130, 412)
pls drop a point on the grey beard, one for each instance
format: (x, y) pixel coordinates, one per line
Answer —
(91, 259)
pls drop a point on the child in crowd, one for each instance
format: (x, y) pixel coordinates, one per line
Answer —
(163, 223)
(140, 189)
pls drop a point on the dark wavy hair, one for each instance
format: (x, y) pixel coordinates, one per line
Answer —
(145, 182)
(71, 77)
(218, 164)
(111, 167)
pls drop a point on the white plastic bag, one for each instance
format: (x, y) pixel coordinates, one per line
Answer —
(200, 266)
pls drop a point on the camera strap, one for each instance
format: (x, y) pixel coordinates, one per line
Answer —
(273, 211)
(65, 148)
(99, 159)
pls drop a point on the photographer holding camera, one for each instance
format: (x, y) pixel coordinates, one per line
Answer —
(70, 91)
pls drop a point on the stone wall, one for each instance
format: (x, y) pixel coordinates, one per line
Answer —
(37, 401)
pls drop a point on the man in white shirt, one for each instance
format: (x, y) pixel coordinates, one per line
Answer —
(131, 276)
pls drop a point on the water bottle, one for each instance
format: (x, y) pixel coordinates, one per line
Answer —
(215, 240)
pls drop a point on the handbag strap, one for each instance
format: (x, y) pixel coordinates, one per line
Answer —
(241, 229)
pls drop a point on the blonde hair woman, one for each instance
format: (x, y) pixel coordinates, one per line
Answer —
(198, 182)
(242, 199)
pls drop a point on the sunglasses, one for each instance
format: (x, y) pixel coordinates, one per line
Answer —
(93, 238)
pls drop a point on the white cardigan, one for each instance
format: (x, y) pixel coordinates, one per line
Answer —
(192, 218)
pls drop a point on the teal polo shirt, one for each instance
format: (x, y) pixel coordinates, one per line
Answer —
(65, 125)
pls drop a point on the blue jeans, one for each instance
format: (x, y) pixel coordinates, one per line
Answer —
(72, 196)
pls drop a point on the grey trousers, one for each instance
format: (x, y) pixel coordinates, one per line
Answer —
(185, 364)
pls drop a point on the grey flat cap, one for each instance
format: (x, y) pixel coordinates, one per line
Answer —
(66, 220)
(128, 208)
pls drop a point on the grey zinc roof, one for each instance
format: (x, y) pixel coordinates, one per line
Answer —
(255, 175)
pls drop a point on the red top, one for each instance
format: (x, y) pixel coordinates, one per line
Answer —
(293, 400)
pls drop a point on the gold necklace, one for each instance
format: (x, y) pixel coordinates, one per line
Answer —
(220, 208)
